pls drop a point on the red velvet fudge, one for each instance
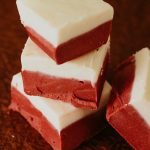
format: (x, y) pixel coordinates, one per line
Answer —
(61, 124)
(79, 81)
(66, 29)
(129, 109)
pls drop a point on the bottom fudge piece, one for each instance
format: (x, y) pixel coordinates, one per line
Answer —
(62, 125)
(129, 108)
(79, 81)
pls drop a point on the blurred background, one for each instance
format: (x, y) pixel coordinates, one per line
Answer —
(130, 33)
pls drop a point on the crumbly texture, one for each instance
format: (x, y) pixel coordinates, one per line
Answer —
(15, 132)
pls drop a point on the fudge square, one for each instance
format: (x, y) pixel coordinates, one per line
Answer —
(129, 109)
(79, 81)
(66, 29)
(61, 124)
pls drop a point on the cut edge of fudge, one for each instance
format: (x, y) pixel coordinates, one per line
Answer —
(129, 104)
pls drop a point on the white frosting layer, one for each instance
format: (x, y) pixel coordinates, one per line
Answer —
(140, 95)
(84, 68)
(61, 20)
(58, 113)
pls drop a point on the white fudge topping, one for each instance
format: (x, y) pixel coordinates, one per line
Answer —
(59, 114)
(84, 68)
(58, 21)
(140, 95)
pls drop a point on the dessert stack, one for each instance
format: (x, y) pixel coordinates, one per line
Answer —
(61, 90)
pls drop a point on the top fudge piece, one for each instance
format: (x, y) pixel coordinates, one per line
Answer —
(66, 29)
(129, 110)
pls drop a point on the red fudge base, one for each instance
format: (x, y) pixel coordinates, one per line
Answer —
(121, 114)
(80, 94)
(74, 47)
(70, 137)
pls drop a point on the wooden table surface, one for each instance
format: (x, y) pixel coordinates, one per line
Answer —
(131, 32)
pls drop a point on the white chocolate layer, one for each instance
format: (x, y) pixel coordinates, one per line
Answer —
(140, 95)
(84, 68)
(59, 114)
(58, 21)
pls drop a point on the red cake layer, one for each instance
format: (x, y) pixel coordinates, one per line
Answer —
(70, 137)
(75, 47)
(80, 93)
(120, 112)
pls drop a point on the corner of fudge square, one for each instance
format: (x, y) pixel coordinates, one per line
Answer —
(66, 30)
(128, 111)
(62, 125)
(79, 81)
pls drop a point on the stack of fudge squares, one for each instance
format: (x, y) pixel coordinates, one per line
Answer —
(61, 90)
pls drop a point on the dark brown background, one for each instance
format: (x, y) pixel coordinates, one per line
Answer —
(131, 32)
